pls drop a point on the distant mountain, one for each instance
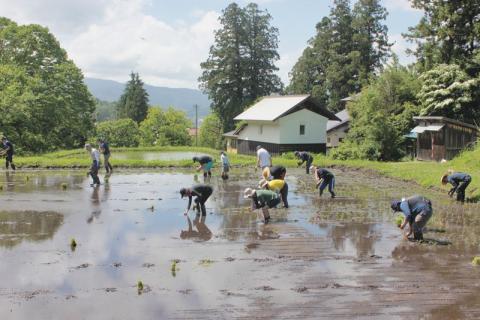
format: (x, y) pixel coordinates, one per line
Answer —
(180, 98)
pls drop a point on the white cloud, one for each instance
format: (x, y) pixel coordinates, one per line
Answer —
(400, 45)
(120, 36)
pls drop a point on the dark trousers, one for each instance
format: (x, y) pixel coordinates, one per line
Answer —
(331, 185)
(108, 166)
(284, 195)
(9, 162)
(309, 163)
(461, 189)
(94, 173)
(200, 203)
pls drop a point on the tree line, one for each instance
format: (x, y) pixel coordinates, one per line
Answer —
(350, 56)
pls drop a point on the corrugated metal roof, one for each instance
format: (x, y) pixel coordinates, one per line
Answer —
(431, 127)
(270, 108)
(342, 115)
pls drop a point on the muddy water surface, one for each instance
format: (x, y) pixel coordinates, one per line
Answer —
(321, 258)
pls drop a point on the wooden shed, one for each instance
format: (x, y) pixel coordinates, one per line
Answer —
(441, 138)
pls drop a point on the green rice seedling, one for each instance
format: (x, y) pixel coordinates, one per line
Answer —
(73, 244)
(140, 287)
(1, 187)
(64, 186)
(398, 220)
(476, 261)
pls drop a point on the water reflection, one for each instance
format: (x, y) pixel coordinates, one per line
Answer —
(17, 226)
(357, 236)
(202, 232)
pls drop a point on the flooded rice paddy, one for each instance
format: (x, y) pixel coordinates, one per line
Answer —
(157, 155)
(323, 258)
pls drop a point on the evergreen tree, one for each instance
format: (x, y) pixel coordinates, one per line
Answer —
(240, 66)
(261, 54)
(370, 38)
(133, 103)
(449, 32)
(341, 76)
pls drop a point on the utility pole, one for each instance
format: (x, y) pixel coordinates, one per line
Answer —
(196, 125)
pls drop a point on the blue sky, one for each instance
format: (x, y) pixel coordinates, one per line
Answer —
(165, 41)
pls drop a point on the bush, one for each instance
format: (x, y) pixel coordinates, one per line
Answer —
(119, 133)
(165, 128)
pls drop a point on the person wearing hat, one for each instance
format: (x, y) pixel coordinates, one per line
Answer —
(105, 150)
(8, 151)
(206, 163)
(276, 173)
(264, 159)
(417, 210)
(95, 155)
(304, 156)
(459, 181)
(324, 178)
(202, 192)
(262, 199)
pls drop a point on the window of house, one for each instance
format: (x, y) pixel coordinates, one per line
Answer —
(328, 140)
(340, 139)
(260, 129)
(302, 129)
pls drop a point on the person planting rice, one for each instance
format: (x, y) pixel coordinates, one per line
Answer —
(417, 210)
(262, 199)
(95, 155)
(8, 152)
(206, 163)
(304, 156)
(459, 181)
(264, 159)
(324, 178)
(225, 165)
(276, 173)
(202, 192)
(105, 150)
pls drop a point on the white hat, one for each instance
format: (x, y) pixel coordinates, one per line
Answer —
(312, 168)
(248, 193)
(262, 183)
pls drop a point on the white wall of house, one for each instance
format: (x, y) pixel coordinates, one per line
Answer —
(263, 131)
(336, 136)
(315, 128)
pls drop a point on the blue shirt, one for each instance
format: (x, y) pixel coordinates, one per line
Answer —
(412, 206)
(105, 147)
(456, 178)
(8, 145)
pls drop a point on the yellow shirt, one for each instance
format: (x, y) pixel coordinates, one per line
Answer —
(276, 185)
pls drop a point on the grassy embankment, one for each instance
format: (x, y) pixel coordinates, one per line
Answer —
(425, 173)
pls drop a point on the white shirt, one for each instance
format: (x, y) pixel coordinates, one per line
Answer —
(224, 160)
(95, 155)
(264, 157)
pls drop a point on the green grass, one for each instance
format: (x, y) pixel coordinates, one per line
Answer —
(426, 174)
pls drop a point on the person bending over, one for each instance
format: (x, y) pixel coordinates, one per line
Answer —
(304, 156)
(324, 178)
(206, 163)
(277, 173)
(417, 210)
(459, 181)
(201, 192)
(262, 199)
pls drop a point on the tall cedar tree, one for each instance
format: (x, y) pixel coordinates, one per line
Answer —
(370, 38)
(240, 66)
(449, 32)
(348, 48)
(133, 103)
